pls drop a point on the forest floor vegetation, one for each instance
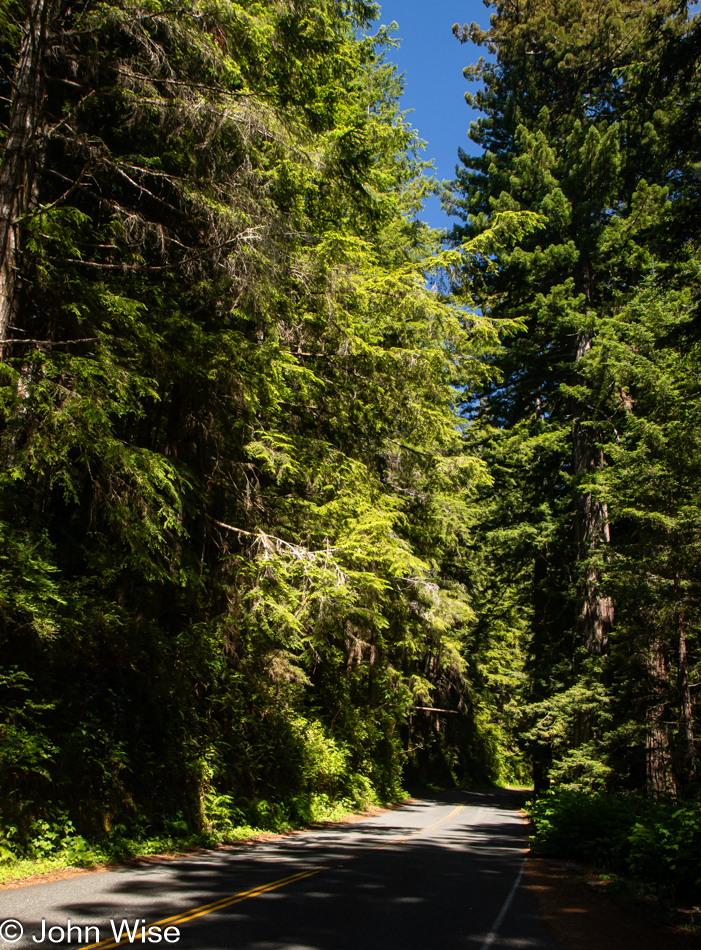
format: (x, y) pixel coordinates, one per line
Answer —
(654, 842)
(68, 855)
(616, 869)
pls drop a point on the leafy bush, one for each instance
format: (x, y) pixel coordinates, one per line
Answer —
(54, 844)
(591, 827)
(656, 842)
(665, 848)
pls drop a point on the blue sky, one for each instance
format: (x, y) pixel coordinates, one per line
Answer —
(433, 60)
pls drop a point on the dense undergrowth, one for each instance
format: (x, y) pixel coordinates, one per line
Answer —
(52, 846)
(655, 842)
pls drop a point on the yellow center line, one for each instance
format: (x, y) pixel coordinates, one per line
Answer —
(190, 915)
(204, 909)
(223, 902)
(420, 831)
(440, 821)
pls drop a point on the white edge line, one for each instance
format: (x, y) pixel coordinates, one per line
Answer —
(491, 936)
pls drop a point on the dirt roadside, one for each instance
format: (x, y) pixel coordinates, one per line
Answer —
(586, 919)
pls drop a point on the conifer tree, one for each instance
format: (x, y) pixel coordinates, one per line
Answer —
(231, 474)
(563, 138)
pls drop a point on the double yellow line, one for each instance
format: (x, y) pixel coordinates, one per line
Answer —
(205, 909)
(419, 831)
(452, 814)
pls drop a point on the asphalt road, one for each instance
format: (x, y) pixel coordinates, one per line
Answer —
(437, 874)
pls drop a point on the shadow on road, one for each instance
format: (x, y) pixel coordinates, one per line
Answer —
(431, 875)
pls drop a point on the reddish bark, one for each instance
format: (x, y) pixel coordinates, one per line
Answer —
(660, 777)
(687, 723)
(20, 159)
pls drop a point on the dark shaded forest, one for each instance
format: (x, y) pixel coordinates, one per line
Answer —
(300, 500)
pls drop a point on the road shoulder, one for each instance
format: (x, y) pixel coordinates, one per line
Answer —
(583, 919)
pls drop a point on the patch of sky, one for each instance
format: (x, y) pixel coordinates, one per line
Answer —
(433, 60)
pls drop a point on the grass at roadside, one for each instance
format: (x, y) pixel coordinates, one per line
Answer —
(114, 851)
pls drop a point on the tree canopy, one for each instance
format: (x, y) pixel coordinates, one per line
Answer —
(299, 499)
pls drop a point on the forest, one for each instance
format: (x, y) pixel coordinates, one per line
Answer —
(303, 502)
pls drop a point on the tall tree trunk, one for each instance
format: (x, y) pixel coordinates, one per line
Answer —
(591, 518)
(687, 709)
(19, 161)
(660, 777)
(592, 532)
(542, 753)
(687, 723)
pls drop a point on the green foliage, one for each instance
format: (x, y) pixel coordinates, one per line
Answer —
(657, 843)
(591, 827)
(26, 751)
(234, 498)
(297, 503)
(588, 426)
(54, 844)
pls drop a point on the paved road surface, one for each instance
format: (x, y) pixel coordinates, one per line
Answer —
(437, 874)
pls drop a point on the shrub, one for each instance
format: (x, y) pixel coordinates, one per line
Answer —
(656, 842)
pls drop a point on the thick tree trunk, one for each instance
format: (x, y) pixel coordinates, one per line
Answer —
(687, 709)
(592, 534)
(541, 752)
(660, 777)
(687, 723)
(19, 161)
(591, 521)
(596, 608)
